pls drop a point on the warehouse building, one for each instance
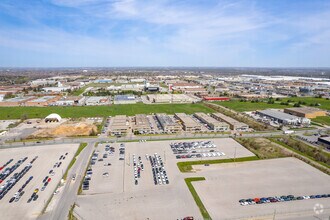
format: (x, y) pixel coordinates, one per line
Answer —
(42, 101)
(283, 118)
(142, 124)
(119, 125)
(124, 99)
(70, 101)
(306, 112)
(214, 124)
(324, 141)
(168, 124)
(171, 98)
(17, 101)
(188, 123)
(97, 100)
(233, 124)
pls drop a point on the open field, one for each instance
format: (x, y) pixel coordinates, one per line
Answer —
(261, 105)
(226, 184)
(325, 104)
(322, 120)
(117, 196)
(100, 111)
(48, 155)
(249, 106)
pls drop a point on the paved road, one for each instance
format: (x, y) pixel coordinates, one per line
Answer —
(68, 194)
(158, 137)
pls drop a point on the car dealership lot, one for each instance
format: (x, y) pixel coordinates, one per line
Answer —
(226, 184)
(46, 157)
(117, 196)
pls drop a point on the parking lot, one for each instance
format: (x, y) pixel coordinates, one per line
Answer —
(35, 177)
(117, 196)
(226, 184)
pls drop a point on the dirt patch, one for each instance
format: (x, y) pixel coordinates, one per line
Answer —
(68, 129)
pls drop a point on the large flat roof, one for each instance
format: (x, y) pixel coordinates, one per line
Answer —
(305, 110)
(187, 120)
(278, 114)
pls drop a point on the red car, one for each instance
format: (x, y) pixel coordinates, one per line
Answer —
(49, 179)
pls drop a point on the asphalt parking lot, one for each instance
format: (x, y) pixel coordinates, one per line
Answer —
(117, 196)
(47, 156)
(226, 184)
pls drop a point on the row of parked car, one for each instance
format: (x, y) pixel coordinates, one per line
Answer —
(89, 172)
(6, 164)
(47, 179)
(138, 167)
(158, 170)
(20, 192)
(186, 146)
(202, 155)
(284, 198)
(9, 170)
(122, 151)
(14, 180)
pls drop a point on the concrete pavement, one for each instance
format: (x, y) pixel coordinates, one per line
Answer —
(69, 193)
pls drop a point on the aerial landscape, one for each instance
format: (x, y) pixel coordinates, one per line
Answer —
(183, 110)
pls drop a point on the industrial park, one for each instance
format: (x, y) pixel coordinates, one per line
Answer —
(164, 110)
(166, 140)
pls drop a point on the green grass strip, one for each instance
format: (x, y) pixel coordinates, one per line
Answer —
(187, 165)
(81, 147)
(198, 201)
(299, 152)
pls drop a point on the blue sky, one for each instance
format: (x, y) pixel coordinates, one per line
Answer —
(90, 33)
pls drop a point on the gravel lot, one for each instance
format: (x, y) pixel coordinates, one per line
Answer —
(47, 157)
(226, 184)
(117, 196)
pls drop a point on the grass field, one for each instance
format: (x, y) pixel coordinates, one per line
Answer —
(249, 106)
(99, 111)
(198, 201)
(78, 91)
(322, 120)
(325, 104)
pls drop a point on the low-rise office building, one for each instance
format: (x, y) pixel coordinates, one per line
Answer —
(214, 124)
(306, 112)
(168, 124)
(188, 123)
(233, 123)
(142, 124)
(119, 125)
(283, 118)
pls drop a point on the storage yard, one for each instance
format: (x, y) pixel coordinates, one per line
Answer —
(39, 170)
(270, 178)
(113, 190)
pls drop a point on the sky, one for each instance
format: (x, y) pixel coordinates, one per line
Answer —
(192, 33)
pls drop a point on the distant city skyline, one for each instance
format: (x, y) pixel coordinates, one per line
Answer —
(187, 33)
